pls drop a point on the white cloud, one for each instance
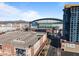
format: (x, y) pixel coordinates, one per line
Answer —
(8, 12)
(30, 15)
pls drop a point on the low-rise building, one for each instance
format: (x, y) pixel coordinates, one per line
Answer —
(22, 43)
(13, 25)
(70, 47)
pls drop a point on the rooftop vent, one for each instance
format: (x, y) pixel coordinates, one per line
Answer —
(18, 41)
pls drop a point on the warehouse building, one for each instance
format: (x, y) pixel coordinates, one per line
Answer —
(22, 43)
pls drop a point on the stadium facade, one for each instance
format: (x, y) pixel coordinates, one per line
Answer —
(47, 23)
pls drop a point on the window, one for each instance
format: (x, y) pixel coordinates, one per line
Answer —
(71, 38)
(20, 52)
(0, 46)
(62, 49)
(77, 39)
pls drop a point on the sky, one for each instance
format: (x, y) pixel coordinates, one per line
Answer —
(29, 11)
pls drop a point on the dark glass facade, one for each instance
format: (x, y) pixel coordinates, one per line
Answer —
(71, 23)
(66, 23)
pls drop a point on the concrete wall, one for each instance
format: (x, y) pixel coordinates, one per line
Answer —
(70, 47)
(40, 44)
(35, 49)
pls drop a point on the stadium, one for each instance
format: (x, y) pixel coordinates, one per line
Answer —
(47, 23)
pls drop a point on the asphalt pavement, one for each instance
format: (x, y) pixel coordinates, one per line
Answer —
(52, 51)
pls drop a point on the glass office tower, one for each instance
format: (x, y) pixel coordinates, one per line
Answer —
(71, 22)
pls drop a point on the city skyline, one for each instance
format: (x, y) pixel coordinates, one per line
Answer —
(30, 11)
(48, 29)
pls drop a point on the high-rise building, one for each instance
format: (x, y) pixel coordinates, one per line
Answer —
(71, 22)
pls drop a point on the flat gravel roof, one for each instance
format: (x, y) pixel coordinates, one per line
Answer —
(20, 39)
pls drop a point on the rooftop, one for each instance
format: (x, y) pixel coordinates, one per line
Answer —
(70, 5)
(66, 53)
(19, 21)
(20, 39)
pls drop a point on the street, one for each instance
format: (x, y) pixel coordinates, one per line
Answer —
(55, 44)
(52, 51)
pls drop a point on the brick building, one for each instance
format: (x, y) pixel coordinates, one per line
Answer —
(21, 43)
